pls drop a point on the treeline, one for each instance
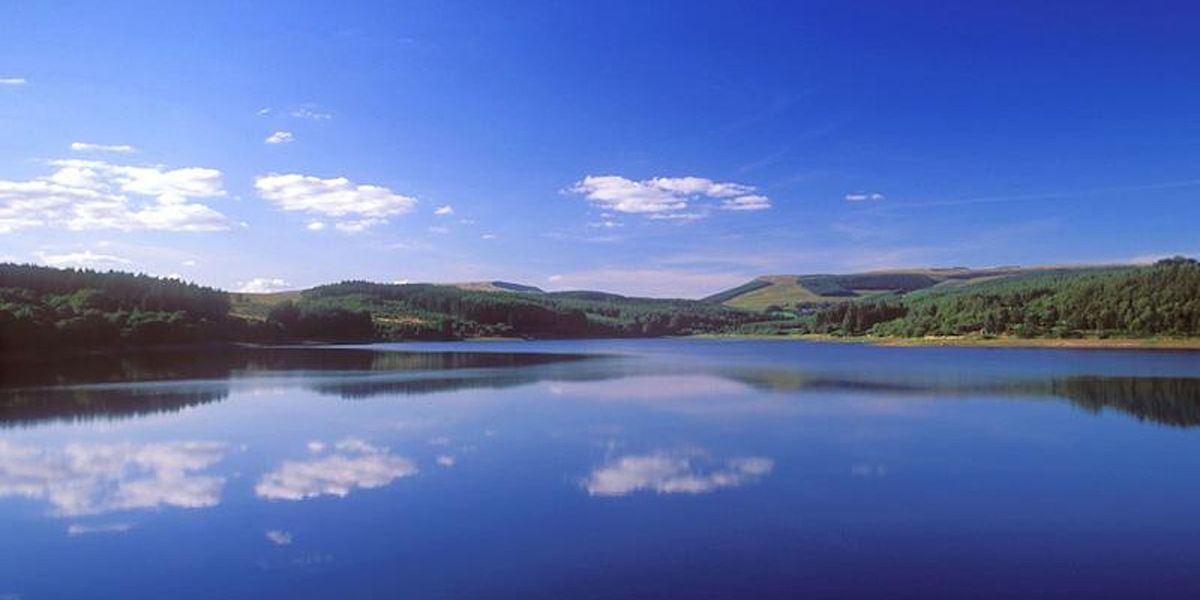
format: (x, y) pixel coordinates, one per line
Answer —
(422, 311)
(42, 307)
(1158, 300)
(46, 308)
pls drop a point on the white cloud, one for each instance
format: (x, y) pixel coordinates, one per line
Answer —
(488, 236)
(679, 216)
(445, 460)
(664, 282)
(439, 230)
(262, 285)
(315, 226)
(91, 194)
(864, 197)
(77, 529)
(87, 479)
(665, 195)
(747, 202)
(353, 444)
(87, 258)
(13, 81)
(117, 148)
(360, 206)
(311, 114)
(189, 263)
(444, 210)
(279, 538)
(280, 137)
(354, 465)
(667, 473)
(358, 225)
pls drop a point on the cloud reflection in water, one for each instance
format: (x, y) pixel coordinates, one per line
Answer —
(674, 473)
(353, 464)
(88, 479)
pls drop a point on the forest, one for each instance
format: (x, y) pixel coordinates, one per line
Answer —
(48, 308)
(431, 312)
(42, 307)
(1158, 300)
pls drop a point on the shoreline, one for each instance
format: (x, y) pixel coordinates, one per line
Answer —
(979, 342)
(1158, 343)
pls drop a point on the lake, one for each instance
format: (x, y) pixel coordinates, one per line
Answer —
(602, 469)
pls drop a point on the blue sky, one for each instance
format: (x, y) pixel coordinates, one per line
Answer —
(651, 148)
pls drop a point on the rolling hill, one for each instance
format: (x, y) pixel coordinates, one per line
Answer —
(48, 308)
(789, 291)
(482, 309)
(496, 286)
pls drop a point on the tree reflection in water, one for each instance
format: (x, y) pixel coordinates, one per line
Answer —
(127, 386)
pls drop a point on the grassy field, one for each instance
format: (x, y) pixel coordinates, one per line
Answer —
(789, 290)
(256, 306)
(782, 290)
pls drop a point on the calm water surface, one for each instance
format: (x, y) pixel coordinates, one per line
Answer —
(603, 469)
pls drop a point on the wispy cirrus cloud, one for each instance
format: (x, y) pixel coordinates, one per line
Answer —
(279, 538)
(357, 207)
(311, 114)
(864, 197)
(115, 148)
(78, 529)
(651, 281)
(87, 258)
(666, 197)
(13, 81)
(92, 194)
(747, 202)
(1063, 195)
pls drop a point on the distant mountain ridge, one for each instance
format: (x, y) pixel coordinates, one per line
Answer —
(792, 290)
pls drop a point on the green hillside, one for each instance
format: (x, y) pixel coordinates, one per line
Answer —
(41, 307)
(496, 286)
(427, 311)
(47, 308)
(790, 292)
(1129, 302)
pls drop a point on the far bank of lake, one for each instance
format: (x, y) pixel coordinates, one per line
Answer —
(1156, 343)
